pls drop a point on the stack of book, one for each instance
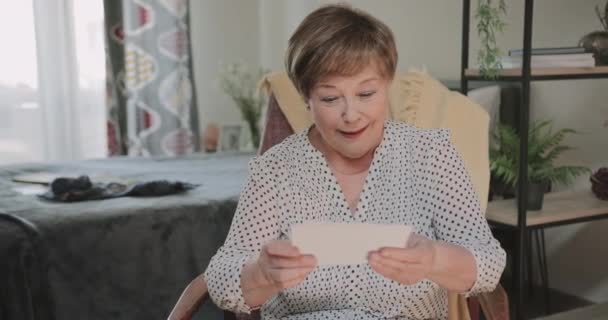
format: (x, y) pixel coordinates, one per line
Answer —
(568, 57)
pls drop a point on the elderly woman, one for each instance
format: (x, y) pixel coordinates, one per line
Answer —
(354, 166)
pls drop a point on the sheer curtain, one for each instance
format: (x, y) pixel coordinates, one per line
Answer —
(52, 99)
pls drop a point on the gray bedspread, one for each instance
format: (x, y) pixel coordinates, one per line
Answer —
(124, 258)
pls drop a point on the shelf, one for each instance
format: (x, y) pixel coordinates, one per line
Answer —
(538, 74)
(559, 208)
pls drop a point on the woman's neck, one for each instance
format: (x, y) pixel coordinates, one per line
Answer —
(336, 161)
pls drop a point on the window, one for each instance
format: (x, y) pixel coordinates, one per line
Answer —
(52, 80)
(20, 113)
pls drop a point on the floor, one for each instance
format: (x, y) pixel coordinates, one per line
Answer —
(535, 302)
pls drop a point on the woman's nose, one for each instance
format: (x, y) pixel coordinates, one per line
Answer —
(351, 113)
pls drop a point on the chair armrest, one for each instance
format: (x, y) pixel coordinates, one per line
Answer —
(495, 304)
(190, 300)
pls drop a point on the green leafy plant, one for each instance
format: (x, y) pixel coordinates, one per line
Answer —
(240, 82)
(603, 16)
(544, 147)
(489, 15)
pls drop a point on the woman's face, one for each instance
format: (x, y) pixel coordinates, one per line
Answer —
(349, 112)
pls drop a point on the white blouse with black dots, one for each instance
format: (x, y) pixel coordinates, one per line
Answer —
(416, 178)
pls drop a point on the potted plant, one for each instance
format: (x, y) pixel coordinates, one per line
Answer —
(489, 15)
(599, 183)
(597, 41)
(240, 82)
(544, 147)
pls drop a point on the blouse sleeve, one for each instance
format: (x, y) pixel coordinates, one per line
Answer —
(255, 223)
(457, 216)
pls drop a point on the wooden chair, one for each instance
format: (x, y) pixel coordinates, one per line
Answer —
(415, 98)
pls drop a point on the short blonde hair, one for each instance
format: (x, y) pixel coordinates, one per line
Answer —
(338, 40)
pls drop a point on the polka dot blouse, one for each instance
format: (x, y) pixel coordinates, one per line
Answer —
(416, 178)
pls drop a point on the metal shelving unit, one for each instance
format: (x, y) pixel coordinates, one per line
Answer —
(525, 76)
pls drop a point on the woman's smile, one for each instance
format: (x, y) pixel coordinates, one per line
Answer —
(352, 134)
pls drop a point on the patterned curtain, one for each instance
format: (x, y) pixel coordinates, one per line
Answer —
(150, 87)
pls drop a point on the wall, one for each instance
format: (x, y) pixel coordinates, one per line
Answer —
(223, 31)
(408, 19)
(428, 34)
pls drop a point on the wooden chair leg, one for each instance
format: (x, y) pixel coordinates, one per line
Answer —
(495, 305)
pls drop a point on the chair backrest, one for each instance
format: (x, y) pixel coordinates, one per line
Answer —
(276, 126)
(415, 98)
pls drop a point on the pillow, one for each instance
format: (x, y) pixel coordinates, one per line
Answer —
(489, 99)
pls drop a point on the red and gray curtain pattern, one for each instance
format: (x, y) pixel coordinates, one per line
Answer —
(150, 87)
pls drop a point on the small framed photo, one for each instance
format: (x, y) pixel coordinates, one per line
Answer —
(230, 138)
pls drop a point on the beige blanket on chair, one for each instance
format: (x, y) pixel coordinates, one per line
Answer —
(418, 99)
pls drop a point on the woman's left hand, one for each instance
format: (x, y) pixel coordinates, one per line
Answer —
(407, 265)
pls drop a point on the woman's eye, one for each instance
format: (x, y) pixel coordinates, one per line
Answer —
(367, 94)
(329, 99)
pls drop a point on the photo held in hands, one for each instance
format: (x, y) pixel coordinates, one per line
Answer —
(347, 243)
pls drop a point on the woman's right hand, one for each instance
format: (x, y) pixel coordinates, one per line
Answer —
(282, 265)
(279, 266)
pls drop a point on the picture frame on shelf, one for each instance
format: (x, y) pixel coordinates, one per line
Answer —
(230, 138)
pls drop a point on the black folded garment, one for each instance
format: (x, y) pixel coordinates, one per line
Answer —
(82, 189)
